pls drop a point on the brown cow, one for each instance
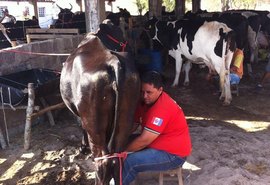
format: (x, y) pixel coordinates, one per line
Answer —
(102, 88)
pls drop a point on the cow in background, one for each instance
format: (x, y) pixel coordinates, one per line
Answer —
(64, 17)
(16, 32)
(78, 21)
(68, 19)
(211, 43)
(101, 86)
(115, 17)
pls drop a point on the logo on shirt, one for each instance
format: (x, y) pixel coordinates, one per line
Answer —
(157, 121)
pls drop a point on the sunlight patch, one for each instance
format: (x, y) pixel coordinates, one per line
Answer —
(36, 178)
(40, 166)
(53, 155)
(2, 160)
(17, 165)
(189, 166)
(250, 126)
(28, 155)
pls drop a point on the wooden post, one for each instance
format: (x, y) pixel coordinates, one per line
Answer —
(49, 113)
(28, 38)
(122, 26)
(92, 15)
(180, 8)
(2, 140)
(29, 111)
(196, 5)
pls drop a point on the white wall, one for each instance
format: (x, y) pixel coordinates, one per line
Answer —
(16, 9)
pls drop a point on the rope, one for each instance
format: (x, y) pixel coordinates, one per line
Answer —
(4, 115)
(122, 155)
(123, 45)
(36, 53)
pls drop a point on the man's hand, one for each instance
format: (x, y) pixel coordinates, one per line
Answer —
(142, 141)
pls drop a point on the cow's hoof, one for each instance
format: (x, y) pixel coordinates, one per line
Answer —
(221, 98)
(186, 84)
(85, 150)
(226, 103)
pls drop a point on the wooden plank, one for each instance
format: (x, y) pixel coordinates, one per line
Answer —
(50, 108)
(52, 31)
(46, 36)
(36, 108)
(45, 33)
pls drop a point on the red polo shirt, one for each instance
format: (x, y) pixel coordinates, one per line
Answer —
(166, 118)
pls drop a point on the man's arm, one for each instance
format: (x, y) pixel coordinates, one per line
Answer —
(13, 19)
(2, 18)
(142, 141)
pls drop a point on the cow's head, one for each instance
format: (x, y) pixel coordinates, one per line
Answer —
(112, 37)
(65, 15)
(149, 26)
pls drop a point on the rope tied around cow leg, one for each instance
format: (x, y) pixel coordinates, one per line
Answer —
(122, 155)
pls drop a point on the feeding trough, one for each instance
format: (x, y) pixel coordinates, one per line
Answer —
(25, 86)
(14, 86)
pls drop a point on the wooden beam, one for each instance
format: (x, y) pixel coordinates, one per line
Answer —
(94, 14)
(48, 108)
(34, 3)
(179, 8)
(155, 8)
(196, 5)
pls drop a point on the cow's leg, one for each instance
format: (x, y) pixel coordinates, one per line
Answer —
(187, 67)
(224, 75)
(178, 66)
(85, 148)
(227, 89)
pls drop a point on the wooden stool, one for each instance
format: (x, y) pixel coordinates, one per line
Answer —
(171, 173)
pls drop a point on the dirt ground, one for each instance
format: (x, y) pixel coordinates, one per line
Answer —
(230, 143)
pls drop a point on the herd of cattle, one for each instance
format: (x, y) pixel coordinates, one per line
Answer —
(66, 19)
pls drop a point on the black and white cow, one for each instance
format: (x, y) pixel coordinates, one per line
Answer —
(211, 43)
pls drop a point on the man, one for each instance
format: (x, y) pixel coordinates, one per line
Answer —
(164, 142)
(266, 76)
(7, 17)
(236, 69)
(236, 72)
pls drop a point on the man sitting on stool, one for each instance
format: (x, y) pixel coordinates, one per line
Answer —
(236, 70)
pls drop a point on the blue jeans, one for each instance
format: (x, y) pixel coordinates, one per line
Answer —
(234, 79)
(149, 160)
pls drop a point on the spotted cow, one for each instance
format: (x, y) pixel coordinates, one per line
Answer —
(211, 43)
(101, 86)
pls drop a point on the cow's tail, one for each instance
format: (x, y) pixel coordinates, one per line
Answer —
(115, 75)
(230, 48)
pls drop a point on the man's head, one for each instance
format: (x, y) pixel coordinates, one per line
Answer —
(152, 87)
(5, 11)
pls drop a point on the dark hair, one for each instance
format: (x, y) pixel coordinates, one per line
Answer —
(152, 77)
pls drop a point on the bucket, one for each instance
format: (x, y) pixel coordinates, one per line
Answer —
(150, 60)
